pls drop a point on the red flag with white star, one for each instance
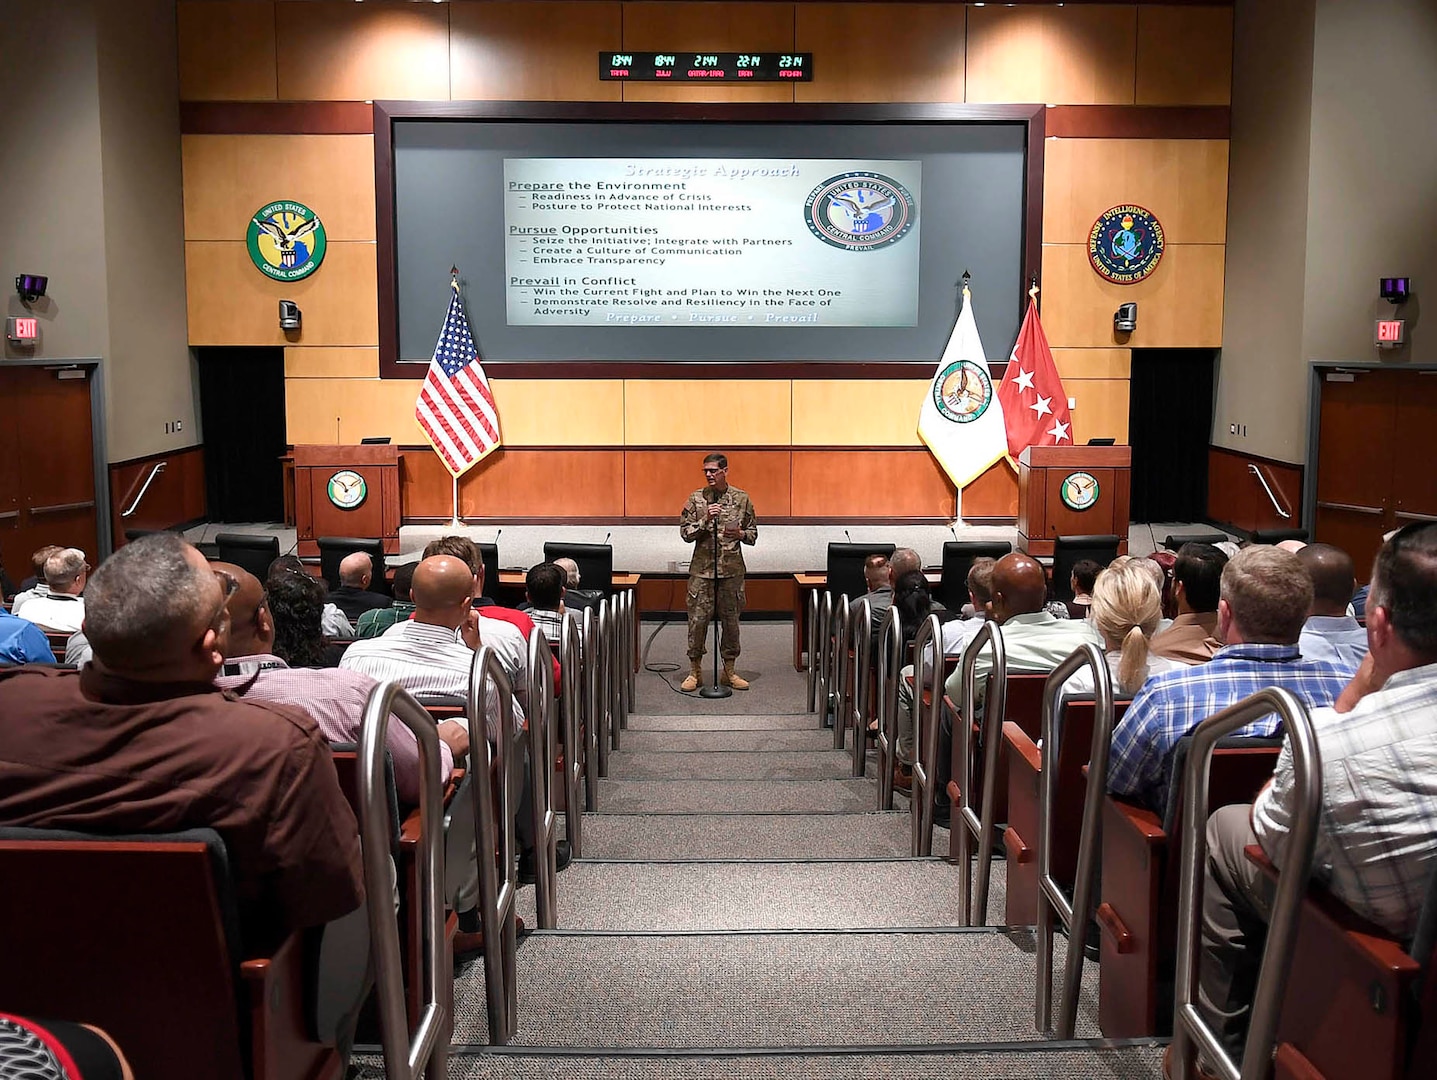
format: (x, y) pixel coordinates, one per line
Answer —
(1035, 409)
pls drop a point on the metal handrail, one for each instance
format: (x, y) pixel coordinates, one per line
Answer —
(890, 670)
(632, 646)
(1051, 900)
(1188, 1024)
(812, 649)
(404, 1059)
(603, 717)
(498, 885)
(592, 678)
(1261, 479)
(969, 825)
(614, 674)
(925, 738)
(541, 773)
(155, 471)
(571, 708)
(838, 671)
(860, 636)
(825, 631)
(624, 654)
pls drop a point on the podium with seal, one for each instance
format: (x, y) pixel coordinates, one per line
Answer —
(346, 491)
(1072, 491)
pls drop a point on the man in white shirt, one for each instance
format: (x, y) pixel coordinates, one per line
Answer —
(1330, 633)
(63, 609)
(1377, 832)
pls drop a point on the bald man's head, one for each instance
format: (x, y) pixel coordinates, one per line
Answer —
(251, 630)
(1020, 586)
(356, 569)
(443, 590)
(1334, 579)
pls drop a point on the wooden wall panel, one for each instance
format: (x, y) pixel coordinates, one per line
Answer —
(658, 481)
(228, 177)
(347, 410)
(229, 302)
(426, 490)
(516, 484)
(544, 412)
(992, 495)
(689, 412)
(1100, 408)
(1073, 55)
(1182, 181)
(870, 483)
(175, 497)
(713, 27)
(857, 412)
(331, 51)
(762, 593)
(921, 58)
(1234, 496)
(1093, 363)
(512, 50)
(227, 51)
(331, 362)
(1184, 56)
(1179, 306)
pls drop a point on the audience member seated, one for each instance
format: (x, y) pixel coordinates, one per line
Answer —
(1193, 637)
(575, 598)
(333, 697)
(34, 585)
(296, 606)
(356, 571)
(334, 624)
(376, 621)
(22, 642)
(903, 561)
(141, 740)
(1330, 633)
(544, 588)
(7, 587)
(1265, 594)
(62, 608)
(1377, 832)
(1085, 573)
(1035, 640)
(1126, 606)
(879, 583)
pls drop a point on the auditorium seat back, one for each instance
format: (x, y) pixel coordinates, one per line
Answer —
(1068, 551)
(1175, 541)
(333, 549)
(596, 563)
(958, 556)
(252, 552)
(489, 553)
(845, 567)
(1276, 536)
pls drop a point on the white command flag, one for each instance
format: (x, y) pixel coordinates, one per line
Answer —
(961, 420)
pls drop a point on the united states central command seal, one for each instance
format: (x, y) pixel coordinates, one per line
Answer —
(286, 240)
(963, 392)
(860, 211)
(1125, 244)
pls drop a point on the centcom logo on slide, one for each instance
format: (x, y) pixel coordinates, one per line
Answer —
(860, 211)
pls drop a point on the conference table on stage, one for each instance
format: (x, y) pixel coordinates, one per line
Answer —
(809, 582)
(511, 590)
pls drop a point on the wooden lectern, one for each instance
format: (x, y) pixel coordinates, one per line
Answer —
(1072, 491)
(346, 491)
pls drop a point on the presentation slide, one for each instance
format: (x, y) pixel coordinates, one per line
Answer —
(692, 242)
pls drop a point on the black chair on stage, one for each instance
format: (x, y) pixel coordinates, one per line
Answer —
(1175, 541)
(845, 567)
(958, 556)
(131, 535)
(596, 563)
(1276, 536)
(490, 554)
(1068, 551)
(252, 552)
(333, 549)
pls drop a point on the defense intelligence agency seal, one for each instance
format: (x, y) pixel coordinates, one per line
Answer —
(1125, 244)
(286, 240)
(860, 211)
(963, 392)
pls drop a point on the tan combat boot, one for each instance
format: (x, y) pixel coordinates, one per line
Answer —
(732, 678)
(694, 678)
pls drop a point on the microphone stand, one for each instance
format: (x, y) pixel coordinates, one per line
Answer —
(715, 690)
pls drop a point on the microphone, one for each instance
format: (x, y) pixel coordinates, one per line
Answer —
(847, 537)
(710, 495)
(496, 537)
(607, 535)
(953, 531)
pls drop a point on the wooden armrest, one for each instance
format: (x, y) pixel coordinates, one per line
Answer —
(1114, 927)
(409, 830)
(1017, 850)
(1021, 748)
(1142, 822)
(257, 969)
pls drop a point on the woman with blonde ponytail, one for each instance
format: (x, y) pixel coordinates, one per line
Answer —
(1126, 609)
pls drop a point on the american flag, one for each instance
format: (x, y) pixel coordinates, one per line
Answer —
(455, 408)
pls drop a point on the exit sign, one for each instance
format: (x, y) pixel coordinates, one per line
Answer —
(1390, 333)
(23, 329)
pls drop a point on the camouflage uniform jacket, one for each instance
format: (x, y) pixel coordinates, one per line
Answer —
(694, 528)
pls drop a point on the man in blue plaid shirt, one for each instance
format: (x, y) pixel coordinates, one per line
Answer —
(1265, 596)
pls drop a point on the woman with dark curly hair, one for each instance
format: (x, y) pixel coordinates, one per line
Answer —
(296, 604)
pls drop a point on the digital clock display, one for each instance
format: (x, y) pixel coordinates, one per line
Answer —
(704, 66)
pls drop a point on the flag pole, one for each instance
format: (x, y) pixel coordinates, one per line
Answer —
(957, 491)
(454, 521)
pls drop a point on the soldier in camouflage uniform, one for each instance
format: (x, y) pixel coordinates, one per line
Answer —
(730, 510)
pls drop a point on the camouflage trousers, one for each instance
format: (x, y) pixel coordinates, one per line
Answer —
(701, 613)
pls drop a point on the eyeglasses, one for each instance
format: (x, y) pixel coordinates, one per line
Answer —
(712, 470)
(229, 585)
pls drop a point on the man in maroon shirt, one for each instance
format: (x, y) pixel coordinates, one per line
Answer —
(141, 740)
